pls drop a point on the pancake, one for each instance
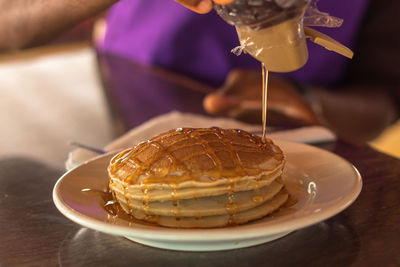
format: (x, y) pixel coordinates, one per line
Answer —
(206, 206)
(199, 177)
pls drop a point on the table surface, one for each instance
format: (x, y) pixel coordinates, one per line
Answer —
(34, 233)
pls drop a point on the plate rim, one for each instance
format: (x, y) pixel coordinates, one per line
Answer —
(247, 231)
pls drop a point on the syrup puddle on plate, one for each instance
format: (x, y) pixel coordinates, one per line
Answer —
(115, 211)
(113, 208)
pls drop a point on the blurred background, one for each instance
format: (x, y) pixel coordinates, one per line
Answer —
(52, 94)
(49, 96)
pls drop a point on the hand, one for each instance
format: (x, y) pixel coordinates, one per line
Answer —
(241, 97)
(202, 6)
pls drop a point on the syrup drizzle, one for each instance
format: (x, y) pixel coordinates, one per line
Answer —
(287, 208)
(175, 201)
(112, 207)
(264, 101)
(145, 199)
(231, 207)
(185, 173)
(257, 198)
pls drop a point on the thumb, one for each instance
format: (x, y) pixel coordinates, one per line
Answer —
(198, 6)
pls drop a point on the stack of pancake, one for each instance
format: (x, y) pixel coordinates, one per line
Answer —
(204, 178)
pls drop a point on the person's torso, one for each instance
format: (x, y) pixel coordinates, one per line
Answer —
(163, 33)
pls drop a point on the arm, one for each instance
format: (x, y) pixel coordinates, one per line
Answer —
(27, 23)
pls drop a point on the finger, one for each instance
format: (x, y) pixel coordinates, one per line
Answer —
(198, 6)
(218, 104)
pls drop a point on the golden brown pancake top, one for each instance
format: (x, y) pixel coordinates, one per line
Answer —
(195, 154)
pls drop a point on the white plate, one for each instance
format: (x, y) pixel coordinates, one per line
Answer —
(323, 184)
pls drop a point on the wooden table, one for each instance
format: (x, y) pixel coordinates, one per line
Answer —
(34, 233)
